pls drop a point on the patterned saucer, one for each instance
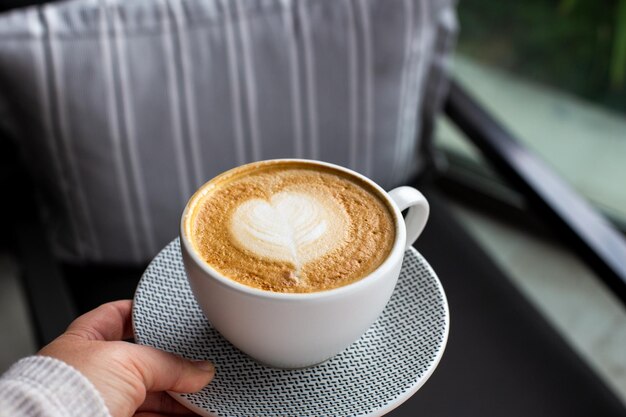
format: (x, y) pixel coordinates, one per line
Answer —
(378, 372)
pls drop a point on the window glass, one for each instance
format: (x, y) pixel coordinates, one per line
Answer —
(554, 72)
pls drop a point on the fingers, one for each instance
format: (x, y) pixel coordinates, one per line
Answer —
(161, 403)
(151, 414)
(110, 321)
(163, 371)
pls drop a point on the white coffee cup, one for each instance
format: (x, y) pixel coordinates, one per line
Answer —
(294, 330)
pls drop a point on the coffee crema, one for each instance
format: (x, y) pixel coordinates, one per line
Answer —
(290, 226)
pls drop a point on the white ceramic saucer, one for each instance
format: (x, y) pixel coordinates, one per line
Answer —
(374, 375)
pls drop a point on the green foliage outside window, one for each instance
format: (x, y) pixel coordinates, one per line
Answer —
(574, 45)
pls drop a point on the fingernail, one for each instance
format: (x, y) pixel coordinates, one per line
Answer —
(205, 366)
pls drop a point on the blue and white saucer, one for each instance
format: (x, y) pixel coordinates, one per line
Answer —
(377, 373)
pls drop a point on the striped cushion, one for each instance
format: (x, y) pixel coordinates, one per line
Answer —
(124, 107)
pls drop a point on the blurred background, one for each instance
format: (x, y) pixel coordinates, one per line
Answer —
(554, 72)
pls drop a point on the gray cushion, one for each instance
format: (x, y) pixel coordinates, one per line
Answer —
(124, 107)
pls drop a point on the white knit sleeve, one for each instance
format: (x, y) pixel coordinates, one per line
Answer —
(40, 386)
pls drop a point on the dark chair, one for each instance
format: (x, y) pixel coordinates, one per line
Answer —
(502, 357)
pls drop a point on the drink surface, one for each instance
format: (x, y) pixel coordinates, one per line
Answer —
(290, 227)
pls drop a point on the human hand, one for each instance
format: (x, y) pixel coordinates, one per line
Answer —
(132, 379)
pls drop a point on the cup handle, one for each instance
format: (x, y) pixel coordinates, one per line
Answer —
(416, 217)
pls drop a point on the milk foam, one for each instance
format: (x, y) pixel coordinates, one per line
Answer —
(291, 226)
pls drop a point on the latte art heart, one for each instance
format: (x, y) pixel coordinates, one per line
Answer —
(292, 226)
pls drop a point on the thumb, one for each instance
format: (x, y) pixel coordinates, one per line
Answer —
(163, 371)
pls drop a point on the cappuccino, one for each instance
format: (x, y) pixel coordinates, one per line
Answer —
(290, 226)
